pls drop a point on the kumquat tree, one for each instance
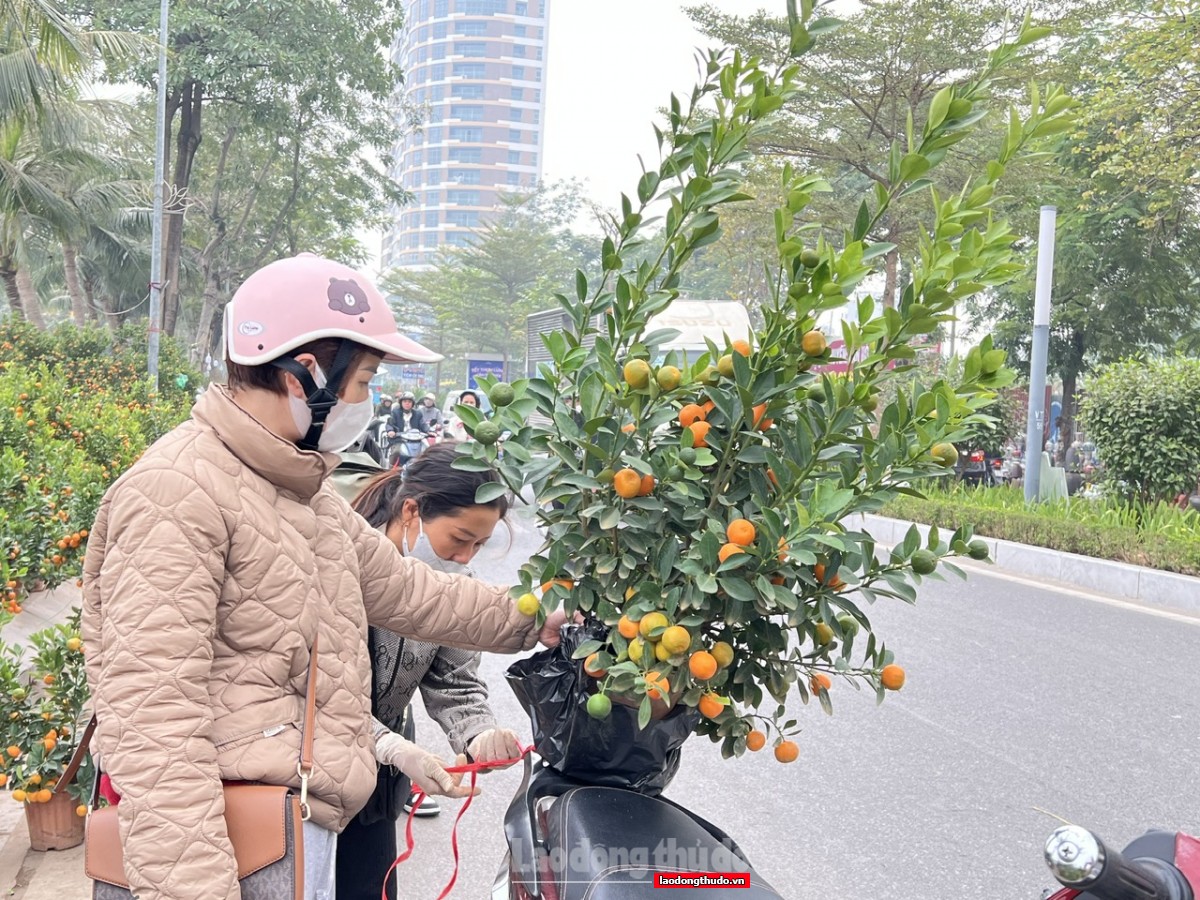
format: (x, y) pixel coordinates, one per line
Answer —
(703, 509)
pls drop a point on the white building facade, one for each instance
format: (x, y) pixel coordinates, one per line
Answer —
(476, 70)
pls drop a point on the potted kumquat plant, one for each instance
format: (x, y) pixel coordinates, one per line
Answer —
(701, 513)
(43, 691)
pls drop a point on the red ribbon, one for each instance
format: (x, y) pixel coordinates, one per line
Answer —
(419, 795)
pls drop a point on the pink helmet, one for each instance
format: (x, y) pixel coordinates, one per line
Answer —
(291, 302)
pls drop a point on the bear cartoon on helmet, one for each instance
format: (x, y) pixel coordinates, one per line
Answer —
(347, 297)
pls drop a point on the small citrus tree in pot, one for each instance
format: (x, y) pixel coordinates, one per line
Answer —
(703, 510)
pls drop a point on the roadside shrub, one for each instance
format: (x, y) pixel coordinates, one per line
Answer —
(1158, 536)
(96, 357)
(1143, 418)
(75, 412)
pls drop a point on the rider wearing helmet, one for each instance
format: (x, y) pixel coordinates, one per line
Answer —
(406, 417)
(384, 406)
(433, 415)
(218, 560)
(406, 431)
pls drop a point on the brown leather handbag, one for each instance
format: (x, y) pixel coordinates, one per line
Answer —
(264, 824)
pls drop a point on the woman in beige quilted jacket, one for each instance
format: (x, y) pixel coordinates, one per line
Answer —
(218, 559)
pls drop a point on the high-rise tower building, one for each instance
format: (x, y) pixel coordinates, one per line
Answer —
(476, 70)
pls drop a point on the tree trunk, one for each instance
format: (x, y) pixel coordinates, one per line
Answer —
(187, 141)
(208, 315)
(113, 317)
(79, 303)
(29, 298)
(8, 274)
(89, 297)
(1070, 381)
(891, 262)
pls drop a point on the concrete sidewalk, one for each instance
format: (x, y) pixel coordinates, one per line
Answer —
(27, 874)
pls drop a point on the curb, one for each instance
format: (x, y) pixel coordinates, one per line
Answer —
(1123, 581)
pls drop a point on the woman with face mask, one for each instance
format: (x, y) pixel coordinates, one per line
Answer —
(429, 512)
(455, 429)
(222, 564)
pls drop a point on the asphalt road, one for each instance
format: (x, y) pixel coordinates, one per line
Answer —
(1023, 705)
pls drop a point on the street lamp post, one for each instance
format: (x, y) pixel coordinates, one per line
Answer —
(1035, 426)
(160, 146)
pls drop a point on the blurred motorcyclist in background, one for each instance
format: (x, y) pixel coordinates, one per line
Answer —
(406, 417)
(433, 415)
(407, 431)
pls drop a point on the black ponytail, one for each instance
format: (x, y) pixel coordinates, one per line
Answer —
(432, 482)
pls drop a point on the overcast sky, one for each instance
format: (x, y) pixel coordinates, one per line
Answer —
(611, 66)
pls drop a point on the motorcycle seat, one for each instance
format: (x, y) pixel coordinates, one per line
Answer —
(608, 843)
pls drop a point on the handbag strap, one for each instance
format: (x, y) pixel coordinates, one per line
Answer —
(77, 757)
(304, 767)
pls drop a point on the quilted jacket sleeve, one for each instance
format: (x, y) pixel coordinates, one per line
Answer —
(154, 603)
(406, 596)
(456, 697)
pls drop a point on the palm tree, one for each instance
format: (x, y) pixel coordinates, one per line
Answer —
(113, 259)
(26, 196)
(45, 153)
(43, 54)
(99, 183)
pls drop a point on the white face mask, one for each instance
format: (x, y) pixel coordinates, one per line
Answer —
(344, 425)
(423, 550)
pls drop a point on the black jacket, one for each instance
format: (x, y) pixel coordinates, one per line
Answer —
(396, 421)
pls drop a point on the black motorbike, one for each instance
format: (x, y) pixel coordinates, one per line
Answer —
(588, 820)
(1159, 865)
(570, 840)
(405, 446)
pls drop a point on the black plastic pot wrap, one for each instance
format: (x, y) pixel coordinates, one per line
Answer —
(613, 752)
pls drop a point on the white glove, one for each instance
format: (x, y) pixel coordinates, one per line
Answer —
(424, 769)
(494, 745)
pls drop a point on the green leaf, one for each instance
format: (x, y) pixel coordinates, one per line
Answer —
(862, 221)
(824, 25)
(666, 561)
(919, 185)
(586, 649)
(938, 107)
(738, 589)
(470, 416)
(489, 491)
(471, 464)
(913, 165)
(610, 518)
(647, 185)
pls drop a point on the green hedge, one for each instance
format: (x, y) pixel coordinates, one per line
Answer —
(1142, 416)
(1116, 542)
(76, 410)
